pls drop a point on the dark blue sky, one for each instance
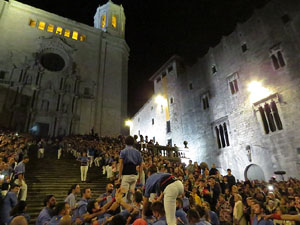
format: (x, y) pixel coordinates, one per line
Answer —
(157, 29)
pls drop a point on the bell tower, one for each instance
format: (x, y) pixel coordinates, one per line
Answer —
(110, 18)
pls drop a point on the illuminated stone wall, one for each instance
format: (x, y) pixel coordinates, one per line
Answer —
(74, 74)
(274, 28)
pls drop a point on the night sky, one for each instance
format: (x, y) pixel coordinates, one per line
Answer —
(158, 29)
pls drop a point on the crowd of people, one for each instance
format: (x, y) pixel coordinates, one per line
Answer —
(143, 189)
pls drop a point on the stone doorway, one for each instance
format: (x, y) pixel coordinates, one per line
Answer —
(40, 129)
(254, 172)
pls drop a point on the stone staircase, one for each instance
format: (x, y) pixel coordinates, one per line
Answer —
(52, 176)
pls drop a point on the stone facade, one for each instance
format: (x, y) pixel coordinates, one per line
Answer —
(210, 105)
(58, 76)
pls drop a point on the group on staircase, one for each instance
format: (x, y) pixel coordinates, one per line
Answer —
(143, 189)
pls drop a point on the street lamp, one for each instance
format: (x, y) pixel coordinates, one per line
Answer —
(128, 123)
(160, 100)
(257, 91)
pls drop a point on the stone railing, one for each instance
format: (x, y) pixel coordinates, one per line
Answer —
(170, 153)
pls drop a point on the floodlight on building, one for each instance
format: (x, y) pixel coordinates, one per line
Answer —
(128, 123)
(160, 100)
(257, 91)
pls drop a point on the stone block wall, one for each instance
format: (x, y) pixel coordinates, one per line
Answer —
(272, 28)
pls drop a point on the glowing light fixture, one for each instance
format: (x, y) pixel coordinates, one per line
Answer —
(257, 91)
(160, 100)
(128, 123)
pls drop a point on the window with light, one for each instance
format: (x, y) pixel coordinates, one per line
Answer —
(103, 22)
(32, 23)
(42, 25)
(67, 33)
(50, 28)
(75, 35)
(59, 30)
(114, 21)
(82, 37)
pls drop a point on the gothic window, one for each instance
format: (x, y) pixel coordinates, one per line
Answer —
(191, 86)
(222, 134)
(170, 142)
(152, 121)
(28, 79)
(114, 21)
(73, 104)
(64, 107)
(205, 101)
(52, 61)
(153, 139)
(103, 21)
(61, 83)
(170, 68)
(58, 103)
(277, 57)
(168, 126)
(270, 117)
(45, 105)
(214, 69)
(233, 83)
(244, 47)
(171, 100)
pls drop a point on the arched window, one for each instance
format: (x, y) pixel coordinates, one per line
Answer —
(103, 21)
(114, 21)
(222, 135)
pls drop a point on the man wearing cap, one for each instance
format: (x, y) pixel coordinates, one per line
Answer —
(20, 179)
(47, 212)
(168, 185)
(130, 158)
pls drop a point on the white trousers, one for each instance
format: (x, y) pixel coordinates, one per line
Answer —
(170, 194)
(41, 153)
(109, 172)
(59, 153)
(128, 183)
(23, 189)
(83, 170)
(97, 161)
(91, 160)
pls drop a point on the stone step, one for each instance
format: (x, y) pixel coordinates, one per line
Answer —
(52, 176)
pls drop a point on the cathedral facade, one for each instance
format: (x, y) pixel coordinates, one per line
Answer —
(237, 106)
(60, 77)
